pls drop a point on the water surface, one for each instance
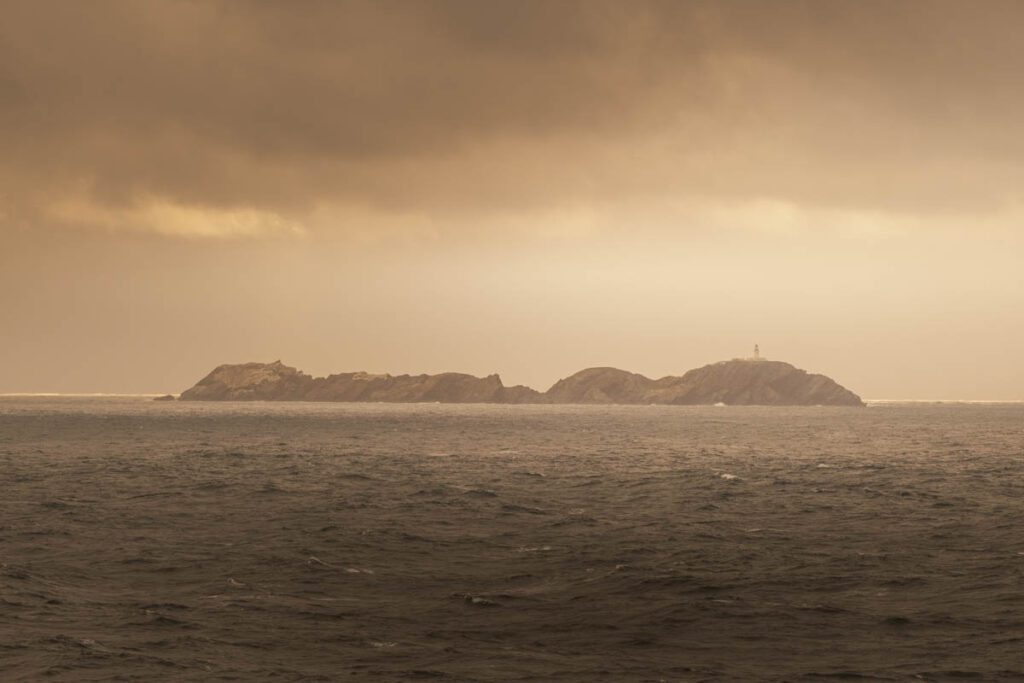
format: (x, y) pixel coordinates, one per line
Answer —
(302, 542)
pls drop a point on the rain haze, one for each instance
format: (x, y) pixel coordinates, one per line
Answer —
(525, 188)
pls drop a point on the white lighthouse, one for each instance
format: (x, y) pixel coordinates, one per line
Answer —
(757, 352)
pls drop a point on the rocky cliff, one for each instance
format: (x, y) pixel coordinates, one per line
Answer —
(735, 382)
(742, 382)
(601, 385)
(278, 382)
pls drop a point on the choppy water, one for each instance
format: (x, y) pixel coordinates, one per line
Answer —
(305, 542)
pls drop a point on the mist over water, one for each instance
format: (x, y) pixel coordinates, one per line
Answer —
(150, 541)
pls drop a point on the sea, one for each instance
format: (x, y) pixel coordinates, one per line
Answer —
(150, 541)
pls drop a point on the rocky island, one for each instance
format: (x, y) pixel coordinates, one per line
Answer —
(752, 381)
(734, 382)
(278, 382)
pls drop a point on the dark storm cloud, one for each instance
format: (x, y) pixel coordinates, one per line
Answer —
(115, 113)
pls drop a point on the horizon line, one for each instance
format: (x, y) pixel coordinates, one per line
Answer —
(150, 394)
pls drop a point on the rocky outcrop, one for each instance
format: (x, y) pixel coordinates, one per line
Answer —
(735, 382)
(448, 387)
(278, 382)
(763, 382)
(601, 385)
(251, 382)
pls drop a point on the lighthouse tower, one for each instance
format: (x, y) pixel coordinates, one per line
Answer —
(757, 352)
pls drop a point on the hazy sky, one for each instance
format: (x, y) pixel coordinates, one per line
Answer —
(528, 188)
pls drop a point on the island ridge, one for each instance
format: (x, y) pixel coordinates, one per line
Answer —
(752, 381)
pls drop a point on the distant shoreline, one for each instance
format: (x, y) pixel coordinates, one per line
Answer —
(740, 381)
(84, 394)
(156, 394)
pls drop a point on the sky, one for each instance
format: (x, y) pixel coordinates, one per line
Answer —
(516, 186)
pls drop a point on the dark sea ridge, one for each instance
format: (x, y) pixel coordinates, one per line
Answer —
(144, 541)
